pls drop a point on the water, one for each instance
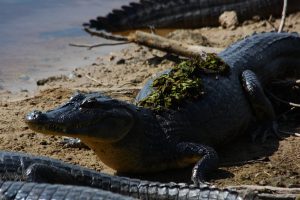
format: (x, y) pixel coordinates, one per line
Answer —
(35, 37)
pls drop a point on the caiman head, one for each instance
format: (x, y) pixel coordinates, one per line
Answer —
(91, 116)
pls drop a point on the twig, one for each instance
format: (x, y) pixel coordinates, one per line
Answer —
(285, 2)
(266, 188)
(268, 192)
(159, 42)
(105, 35)
(119, 89)
(89, 47)
(260, 160)
(271, 24)
(91, 78)
(113, 89)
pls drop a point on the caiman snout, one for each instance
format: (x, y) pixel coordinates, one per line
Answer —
(34, 117)
(86, 116)
(38, 121)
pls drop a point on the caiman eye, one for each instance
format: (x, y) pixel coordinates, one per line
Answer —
(76, 97)
(90, 103)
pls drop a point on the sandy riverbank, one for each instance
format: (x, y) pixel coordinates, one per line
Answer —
(129, 69)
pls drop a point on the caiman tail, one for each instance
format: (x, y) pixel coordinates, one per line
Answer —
(185, 13)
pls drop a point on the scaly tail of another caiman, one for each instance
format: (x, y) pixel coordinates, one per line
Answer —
(23, 167)
(15, 190)
(185, 13)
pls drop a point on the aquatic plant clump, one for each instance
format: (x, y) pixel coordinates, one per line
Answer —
(183, 82)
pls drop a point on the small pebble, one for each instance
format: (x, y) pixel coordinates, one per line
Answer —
(43, 142)
(262, 182)
(229, 19)
(120, 61)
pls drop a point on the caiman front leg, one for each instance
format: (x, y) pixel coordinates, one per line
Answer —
(73, 143)
(209, 159)
(260, 104)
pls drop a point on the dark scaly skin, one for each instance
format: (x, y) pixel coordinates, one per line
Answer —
(185, 13)
(135, 139)
(27, 168)
(23, 190)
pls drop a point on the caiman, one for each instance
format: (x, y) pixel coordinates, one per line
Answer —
(135, 139)
(16, 190)
(37, 177)
(185, 13)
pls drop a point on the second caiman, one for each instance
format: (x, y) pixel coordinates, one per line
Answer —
(131, 138)
(185, 13)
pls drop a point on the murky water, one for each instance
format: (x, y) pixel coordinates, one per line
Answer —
(35, 37)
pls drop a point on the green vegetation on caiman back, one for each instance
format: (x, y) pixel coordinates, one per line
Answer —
(135, 139)
(183, 82)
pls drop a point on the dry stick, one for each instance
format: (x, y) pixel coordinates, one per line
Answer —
(270, 23)
(118, 90)
(170, 46)
(281, 190)
(91, 78)
(229, 164)
(285, 2)
(112, 89)
(105, 35)
(159, 42)
(89, 47)
(269, 192)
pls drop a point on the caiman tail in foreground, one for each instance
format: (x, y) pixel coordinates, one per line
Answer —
(24, 167)
(10, 190)
(135, 139)
(185, 13)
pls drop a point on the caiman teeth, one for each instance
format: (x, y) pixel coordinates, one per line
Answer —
(64, 129)
(54, 127)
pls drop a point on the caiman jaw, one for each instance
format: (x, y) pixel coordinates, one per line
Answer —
(38, 121)
(86, 116)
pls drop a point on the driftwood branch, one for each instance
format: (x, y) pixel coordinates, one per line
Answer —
(268, 192)
(280, 29)
(168, 45)
(159, 42)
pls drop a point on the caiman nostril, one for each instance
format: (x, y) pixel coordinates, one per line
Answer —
(34, 115)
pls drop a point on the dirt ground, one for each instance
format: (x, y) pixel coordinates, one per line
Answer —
(120, 75)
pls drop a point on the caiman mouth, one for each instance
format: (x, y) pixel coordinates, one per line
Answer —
(40, 122)
(88, 117)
